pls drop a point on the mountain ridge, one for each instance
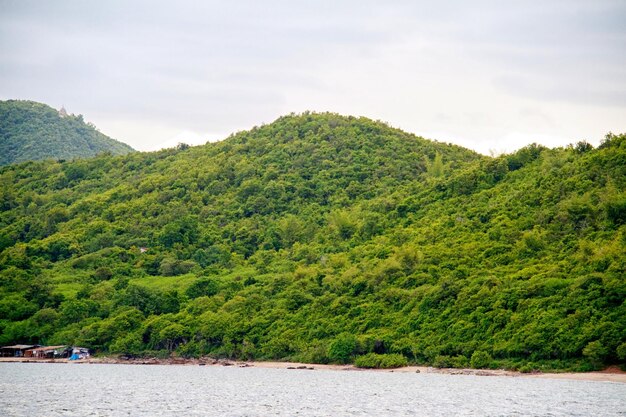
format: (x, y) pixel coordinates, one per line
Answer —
(35, 131)
(323, 238)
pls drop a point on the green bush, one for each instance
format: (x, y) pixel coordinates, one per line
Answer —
(445, 361)
(480, 359)
(380, 361)
(595, 352)
(621, 352)
(342, 348)
(442, 361)
(528, 368)
(459, 361)
(130, 343)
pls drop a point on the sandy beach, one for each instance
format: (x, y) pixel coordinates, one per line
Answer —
(612, 374)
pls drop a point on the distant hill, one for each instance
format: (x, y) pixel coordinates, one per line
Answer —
(34, 131)
(323, 238)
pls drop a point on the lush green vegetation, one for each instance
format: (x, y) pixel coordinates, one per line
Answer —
(380, 361)
(35, 131)
(322, 238)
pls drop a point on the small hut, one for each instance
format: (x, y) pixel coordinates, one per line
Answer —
(15, 351)
(46, 352)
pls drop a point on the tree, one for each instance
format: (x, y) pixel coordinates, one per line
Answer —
(172, 336)
(204, 287)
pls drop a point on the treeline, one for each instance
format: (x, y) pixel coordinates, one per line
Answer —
(322, 238)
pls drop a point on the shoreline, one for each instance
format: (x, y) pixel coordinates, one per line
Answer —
(611, 374)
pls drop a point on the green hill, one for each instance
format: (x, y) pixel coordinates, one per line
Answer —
(323, 238)
(35, 131)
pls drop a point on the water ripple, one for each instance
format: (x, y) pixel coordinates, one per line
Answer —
(31, 389)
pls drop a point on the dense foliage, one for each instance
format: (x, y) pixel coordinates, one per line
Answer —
(35, 131)
(323, 238)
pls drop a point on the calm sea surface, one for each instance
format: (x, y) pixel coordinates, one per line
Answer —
(28, 389)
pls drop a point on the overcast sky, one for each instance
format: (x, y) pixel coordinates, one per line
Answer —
(491, 76)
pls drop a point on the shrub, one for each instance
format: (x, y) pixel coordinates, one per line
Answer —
(595, 352)
(528, 368)
(459, 361)
(480, 359)
(621, 355)
(130, 343)
(103, 274)
(445, 361)
(171, 267)
(378, 361)
(342, 348)
(616, 211)
(442, 361)
(621, 352)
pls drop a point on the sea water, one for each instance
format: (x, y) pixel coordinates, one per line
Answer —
(40, 389)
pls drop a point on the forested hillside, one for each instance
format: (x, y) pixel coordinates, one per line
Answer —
(34, 131)
(323, 238)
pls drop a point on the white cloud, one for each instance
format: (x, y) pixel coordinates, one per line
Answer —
(481, 74)
(186, 137)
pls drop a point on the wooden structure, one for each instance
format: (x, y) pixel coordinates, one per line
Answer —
(47, 352)
(15, 350)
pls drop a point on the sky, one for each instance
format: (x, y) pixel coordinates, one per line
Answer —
(492, 76)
